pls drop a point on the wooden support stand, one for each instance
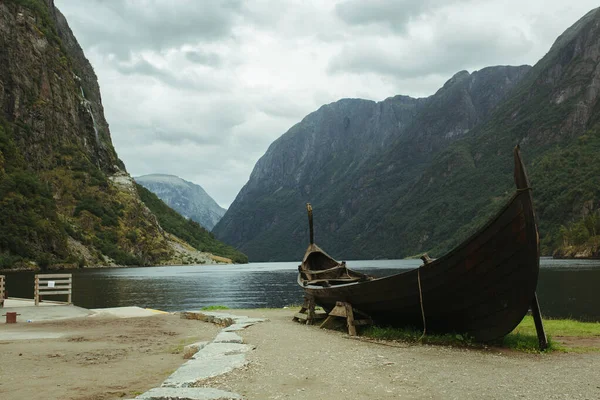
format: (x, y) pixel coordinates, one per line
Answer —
(1, 290)
(307, 312)
(539, 324)
(345, 310)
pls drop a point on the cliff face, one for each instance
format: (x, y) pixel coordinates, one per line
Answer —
(66, 198)
(187, 198)
(49, 89)
(424, 179)
(352, 159)
(553, 114)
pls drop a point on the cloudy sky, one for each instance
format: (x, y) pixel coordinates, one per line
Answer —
(200, 88)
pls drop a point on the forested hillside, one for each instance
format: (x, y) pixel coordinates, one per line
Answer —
(405, 176)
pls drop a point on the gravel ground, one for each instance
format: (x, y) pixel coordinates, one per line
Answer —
(304, 362)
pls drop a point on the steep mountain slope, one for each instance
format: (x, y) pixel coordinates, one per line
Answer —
(187, 198)
(65, 197)
(353, 159)
(554, 115)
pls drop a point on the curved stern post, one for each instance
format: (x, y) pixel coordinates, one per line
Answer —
(310, 223)
(522, 183)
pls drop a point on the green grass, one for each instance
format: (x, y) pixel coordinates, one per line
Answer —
(561, 327)
(178, 348)
(215, 307)
(522, 338)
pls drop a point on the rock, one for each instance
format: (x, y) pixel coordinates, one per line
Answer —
(191, 349)
(196, 370)
(228, 337)
(164, 393)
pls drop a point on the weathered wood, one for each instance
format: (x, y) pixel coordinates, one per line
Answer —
(346, 311)
(48, 288)
(54, 276)
(310, 223)
(482, 288)
(63, 284)
(426, 259)
(308, 312)
(539, 324)
(339, 310)
(301, 316)
(2, 277)
(350, 319)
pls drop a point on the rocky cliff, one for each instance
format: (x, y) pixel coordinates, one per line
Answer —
(422, 174)
(187, 198)
(353, 159)
(65, 196)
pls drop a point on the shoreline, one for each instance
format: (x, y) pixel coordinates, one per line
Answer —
(66, 270)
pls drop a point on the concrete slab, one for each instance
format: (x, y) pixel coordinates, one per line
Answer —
(236, 327)
(223, 319)
(196, 370)
(15, 302)
(228, 337)
(215, 350)
(125, 312)
(164, 393)
(191, 349)
(45, 313)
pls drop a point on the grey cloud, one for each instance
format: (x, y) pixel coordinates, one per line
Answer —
(395, 13)
(201, 57)
(448, 52)
(123, 27)
(192, 81)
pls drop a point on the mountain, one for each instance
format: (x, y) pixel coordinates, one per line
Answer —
(405, 176)
(66, 199)
(187, 198)
(353, 159)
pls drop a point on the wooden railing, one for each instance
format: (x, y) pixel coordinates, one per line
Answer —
(53, 284)
(1, 290)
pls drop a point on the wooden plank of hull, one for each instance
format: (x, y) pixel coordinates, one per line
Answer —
(483, 287)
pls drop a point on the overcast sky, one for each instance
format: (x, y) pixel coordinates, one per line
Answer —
(200, 88)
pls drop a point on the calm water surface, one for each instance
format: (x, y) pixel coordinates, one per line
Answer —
(566, 288)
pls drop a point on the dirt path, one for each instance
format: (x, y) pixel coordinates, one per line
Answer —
(98, 358)
(303, 362)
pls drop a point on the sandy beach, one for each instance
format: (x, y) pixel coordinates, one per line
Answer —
(97, 358)
(112, 358)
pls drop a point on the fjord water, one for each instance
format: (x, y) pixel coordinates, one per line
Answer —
(566, 288)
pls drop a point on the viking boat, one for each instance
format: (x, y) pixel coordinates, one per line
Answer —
(482, 288)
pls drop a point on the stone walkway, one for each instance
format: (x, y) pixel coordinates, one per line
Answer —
(207, 360)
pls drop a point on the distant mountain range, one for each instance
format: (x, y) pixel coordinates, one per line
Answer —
(187, 198)
(404, 176)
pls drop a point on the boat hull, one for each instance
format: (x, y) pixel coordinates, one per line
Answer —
(482, 288)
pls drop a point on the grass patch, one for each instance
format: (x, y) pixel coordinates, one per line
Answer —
(522, 338)
(560, 327)
(527, 343)
(215, 307)
(178, 348)
(567, 328)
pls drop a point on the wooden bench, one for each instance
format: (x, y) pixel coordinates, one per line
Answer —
(53, 284)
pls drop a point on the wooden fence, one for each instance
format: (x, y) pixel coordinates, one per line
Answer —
(1, 290)
(53, 284)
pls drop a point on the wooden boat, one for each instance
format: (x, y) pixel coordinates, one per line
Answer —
(482, 288)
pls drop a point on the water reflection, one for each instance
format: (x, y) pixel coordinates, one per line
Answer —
(566, 288)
